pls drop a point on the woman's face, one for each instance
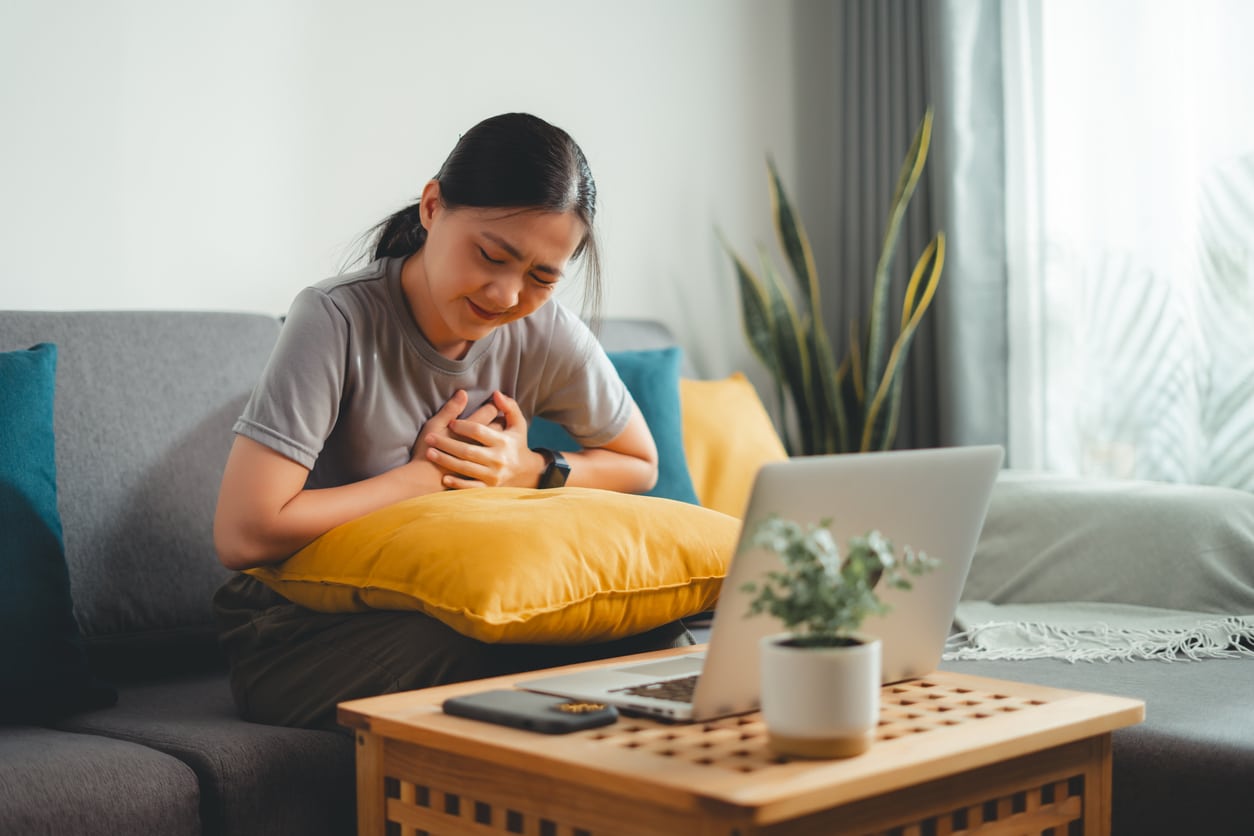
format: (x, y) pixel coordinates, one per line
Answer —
(482, 268)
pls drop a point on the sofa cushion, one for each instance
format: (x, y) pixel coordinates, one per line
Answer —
(1055, 538)
(652, 377)
(43, 667)
(57, 782)
(145, 402)
(520, 565)
(254, 779)
(1189, 766)
(728, 436)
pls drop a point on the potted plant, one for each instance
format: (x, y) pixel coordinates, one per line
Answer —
(849, 404)
(821, 679)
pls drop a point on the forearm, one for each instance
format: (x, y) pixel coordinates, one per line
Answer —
(250, 531)
(610, 470)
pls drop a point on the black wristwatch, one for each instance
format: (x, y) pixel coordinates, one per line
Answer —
(555, 475)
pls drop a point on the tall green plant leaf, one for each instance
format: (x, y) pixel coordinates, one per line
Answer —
(794, 355)
(907, 179)
(795, 244)
(854, 403)
(755, 315)
(914, 306)
(758, 322)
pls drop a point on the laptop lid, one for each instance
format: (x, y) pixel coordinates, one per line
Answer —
(931, 500)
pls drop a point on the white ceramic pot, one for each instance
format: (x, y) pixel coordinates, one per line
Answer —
(820, 702)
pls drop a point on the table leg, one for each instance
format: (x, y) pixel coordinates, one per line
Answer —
(371, 803)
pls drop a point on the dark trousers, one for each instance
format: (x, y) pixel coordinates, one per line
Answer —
(290, 666)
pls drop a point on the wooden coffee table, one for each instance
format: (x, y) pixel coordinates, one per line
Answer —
(953, 754)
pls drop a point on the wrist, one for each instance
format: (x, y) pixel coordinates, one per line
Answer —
(555, 469)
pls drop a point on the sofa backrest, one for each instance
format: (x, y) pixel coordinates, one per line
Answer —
(145, 402)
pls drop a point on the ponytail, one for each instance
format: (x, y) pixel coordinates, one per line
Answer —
(401, 234)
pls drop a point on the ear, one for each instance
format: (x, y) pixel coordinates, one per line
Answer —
(430, 204)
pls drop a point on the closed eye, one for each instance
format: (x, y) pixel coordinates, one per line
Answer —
(489, 258)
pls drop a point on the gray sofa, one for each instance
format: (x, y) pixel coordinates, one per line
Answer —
(144, 407)
(1122, 553)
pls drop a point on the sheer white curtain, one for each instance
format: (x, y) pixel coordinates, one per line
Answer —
(1130, 237)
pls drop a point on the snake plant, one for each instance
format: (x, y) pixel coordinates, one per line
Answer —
(853, 404)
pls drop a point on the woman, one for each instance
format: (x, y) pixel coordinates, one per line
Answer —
(417, 374)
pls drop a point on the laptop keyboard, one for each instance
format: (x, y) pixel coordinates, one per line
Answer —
(676, 690)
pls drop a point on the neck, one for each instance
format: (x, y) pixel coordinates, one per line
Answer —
(417, 293)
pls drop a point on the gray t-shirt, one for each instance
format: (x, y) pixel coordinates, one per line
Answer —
(352, 379)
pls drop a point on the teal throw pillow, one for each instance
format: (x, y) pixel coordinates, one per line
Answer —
(43, 664)
(652, 377)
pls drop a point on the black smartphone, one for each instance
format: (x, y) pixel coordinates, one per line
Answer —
(528, 710)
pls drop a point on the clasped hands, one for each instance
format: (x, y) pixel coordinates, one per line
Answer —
(486, 448)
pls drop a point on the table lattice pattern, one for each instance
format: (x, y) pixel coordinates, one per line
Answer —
(738, 744)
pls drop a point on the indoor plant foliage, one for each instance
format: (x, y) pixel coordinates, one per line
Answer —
(820, 686)
(853, 404)
(822, 597)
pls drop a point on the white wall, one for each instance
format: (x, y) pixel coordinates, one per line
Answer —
(223, 155)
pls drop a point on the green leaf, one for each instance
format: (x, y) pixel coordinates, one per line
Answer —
(907, 179)
(794, 358)
(838, 403)
(755, 309)
(793, 241)
(912, 314)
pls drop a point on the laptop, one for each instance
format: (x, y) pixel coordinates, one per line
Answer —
(932, 500)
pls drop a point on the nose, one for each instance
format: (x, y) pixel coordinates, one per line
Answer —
(503, 292)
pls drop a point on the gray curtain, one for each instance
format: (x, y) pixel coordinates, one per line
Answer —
(878, 64)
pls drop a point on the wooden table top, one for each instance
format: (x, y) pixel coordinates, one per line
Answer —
(939, 725)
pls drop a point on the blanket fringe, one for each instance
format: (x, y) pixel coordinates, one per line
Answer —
(1005, 640)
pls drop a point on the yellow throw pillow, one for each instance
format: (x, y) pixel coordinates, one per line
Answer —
(561, 566)
(728, 435)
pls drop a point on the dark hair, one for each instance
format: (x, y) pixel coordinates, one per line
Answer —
(514, 160)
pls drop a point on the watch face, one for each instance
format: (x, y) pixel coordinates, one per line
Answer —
(557, 471)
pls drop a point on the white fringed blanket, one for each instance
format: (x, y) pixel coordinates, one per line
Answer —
(1095, 632)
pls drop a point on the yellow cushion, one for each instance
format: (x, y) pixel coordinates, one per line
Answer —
(728, 435)
(561, 566)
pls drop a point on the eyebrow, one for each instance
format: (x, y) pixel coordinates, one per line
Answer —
(518, 256)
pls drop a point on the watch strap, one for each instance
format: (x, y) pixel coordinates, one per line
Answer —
(557, 470)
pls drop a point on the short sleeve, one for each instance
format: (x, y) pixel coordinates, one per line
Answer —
(584, 393)
(296, 403)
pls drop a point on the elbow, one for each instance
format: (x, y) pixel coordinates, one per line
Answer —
(649, 474)
(238, 552)
(233, 555)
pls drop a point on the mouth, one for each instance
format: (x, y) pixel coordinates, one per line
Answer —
(485, 314)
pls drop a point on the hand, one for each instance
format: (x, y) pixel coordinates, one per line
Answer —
(438, 425)
(477, 453)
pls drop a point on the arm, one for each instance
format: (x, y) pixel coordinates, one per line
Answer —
(628, 463)
(488, 454)
(265, 514)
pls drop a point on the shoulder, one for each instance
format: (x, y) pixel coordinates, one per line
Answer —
(554, 326)
(371, 280)
(346, 298)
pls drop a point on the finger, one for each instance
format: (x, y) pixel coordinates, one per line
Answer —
(510, 410)
(456, 483)
(458, 448)
(466, 462)
(480, 434)
(453, 407)
(485, 414)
